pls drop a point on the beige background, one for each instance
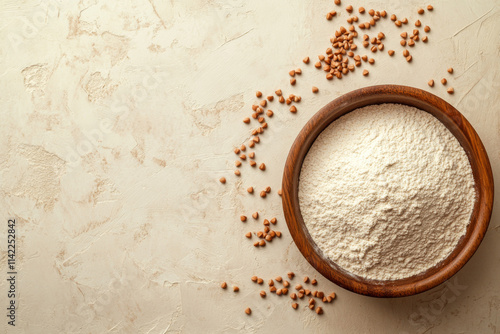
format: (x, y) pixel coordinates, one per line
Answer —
(117, 119)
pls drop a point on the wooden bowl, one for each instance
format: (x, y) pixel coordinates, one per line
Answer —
(467, 137)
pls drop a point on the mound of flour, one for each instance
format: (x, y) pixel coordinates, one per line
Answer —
(386, 191)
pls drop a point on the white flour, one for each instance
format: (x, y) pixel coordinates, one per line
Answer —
(386, 191)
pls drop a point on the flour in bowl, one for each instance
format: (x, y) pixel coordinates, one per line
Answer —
(386, 191)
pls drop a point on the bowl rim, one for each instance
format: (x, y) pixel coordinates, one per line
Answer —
(460, 128)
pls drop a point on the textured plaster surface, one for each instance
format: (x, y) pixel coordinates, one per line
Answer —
(118, 118)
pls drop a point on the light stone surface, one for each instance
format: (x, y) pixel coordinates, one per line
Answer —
(117, 120)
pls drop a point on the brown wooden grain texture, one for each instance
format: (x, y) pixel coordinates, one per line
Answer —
(467, 137)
